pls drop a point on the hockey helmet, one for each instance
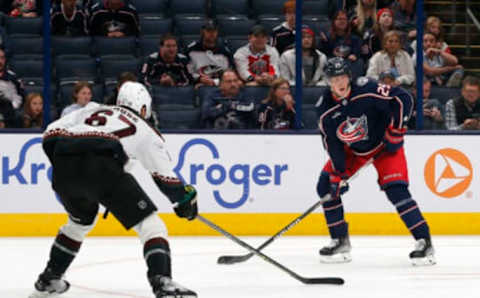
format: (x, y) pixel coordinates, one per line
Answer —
(337, 66)
(134, 96)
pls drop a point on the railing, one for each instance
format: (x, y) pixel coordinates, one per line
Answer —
(470, 16)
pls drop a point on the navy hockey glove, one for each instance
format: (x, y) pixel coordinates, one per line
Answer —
(187, 207)
(394, 138)
(338, 185)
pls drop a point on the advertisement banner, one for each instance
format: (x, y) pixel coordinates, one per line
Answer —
(261, 174)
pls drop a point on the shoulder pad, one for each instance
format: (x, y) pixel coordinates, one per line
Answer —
(362, 81)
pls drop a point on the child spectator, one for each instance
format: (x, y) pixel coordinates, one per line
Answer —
(277, 110)
(434, 25)
(33, 111)
(82, 96)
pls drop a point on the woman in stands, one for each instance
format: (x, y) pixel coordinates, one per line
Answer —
(277, 110)
(33, 111)
(372, 39)
(82, 96)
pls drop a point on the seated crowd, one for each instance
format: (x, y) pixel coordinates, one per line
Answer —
(377, 40)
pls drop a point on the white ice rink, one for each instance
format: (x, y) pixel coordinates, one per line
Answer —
(114, 267)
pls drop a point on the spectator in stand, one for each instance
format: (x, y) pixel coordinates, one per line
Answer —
(11, 87)
(463, 113)
(434, 25)
(372, 40)
(392, 59)
(364, 16)
(433, 110)
(25, 8)
(68, 19)
(2, 121)
(167, 67)
(114, 18)
(82, 96)
(209, 56)
(122, 78)
(33, 111)
(277, 111)
(227, 107)
(257, 62)
(313, 62)
(340, 42)
(405, 16)
(283, 35)
(439, 66)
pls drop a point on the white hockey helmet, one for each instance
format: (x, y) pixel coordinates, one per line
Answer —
(135, 96)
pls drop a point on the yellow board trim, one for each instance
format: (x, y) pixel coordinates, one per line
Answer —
(14, 225)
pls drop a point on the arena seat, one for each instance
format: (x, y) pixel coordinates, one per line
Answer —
(256, 93)
(229, 7)
(271, 21)
(188, 118)
(315, 7)
(112, 66)
(235, 25)
(267, 7)
(188, 25)
(443, 94)
(115, 46)
(150, 7)
(63, 45)
(309, 117)
(157, 26)
(25, 45)
(178, 7)
(236, 42)
(174, 97)
(20, 26)
(148, 45)
(68, 67)
(31, 68)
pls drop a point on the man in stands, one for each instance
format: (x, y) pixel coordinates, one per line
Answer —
(257, 62)
(114, 18)
(167, 67)
(209, 56)
(464, 112)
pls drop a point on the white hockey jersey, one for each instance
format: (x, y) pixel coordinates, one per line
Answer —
(140, 141)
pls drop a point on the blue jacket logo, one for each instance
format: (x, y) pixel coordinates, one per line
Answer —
(217, 174)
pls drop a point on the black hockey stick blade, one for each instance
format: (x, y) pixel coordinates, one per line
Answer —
(305, 280)
(229, 260)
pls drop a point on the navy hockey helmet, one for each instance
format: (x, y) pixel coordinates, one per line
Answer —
(337, 66)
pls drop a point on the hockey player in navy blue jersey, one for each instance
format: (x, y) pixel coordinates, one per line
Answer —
(362, 123)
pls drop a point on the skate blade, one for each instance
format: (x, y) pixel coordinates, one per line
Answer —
(427, 261)
(337, 258)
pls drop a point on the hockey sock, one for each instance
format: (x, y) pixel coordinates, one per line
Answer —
(156, 252)
(62, 253)
(334, 216)
(408, 210)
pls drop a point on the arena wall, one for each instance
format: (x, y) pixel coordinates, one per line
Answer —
(256, 184)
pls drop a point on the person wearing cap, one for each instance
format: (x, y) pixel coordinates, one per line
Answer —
(283, 35)
(208, 56)
(393, 60)
(257, 62)
(313, 62)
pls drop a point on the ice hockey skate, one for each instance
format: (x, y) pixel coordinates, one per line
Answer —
(423, 254)
(338, 251)
(165, 287)
(49, 285)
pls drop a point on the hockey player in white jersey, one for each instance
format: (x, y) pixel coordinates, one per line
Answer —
(91, 151)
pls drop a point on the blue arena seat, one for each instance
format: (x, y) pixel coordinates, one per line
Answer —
(27, 68)
(188, 118)
(311, 94)
(112, 66)
(152, 25)
(315, 7)
(309, 117)
(25, 45)
(115, 46)
(188, 25)
(62, 45)
(69, 67)
(151, 7)
(188, 7)
(443, 94)
(20, 26)
(185, 40)
(236, 42)
(271, 21)
(235, 25)
(256, 93)
(203, 92)
(65, 92)
(261, 7)
(317, 23)
(229, 7)
(173, 97)
(148, 45)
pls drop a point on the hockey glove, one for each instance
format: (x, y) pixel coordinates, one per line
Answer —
(338, 185)
(187, 207)
(393, 138)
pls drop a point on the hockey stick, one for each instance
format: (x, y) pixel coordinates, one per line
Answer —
(305, 280)
(237, 259)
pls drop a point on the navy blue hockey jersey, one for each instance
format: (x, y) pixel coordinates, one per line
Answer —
(360, 120)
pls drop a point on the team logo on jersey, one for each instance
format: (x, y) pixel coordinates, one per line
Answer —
(448, 173)
(258, 65)
(353, 130)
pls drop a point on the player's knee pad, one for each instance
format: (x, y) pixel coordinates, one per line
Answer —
(151, 227)
(77, 231)
(398, 193)
(323, 184)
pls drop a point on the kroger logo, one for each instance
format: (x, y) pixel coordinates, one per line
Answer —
(23, 172)
(216, 174)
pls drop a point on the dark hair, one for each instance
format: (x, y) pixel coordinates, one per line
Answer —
(79, 86)
(333, 28)
(222, 74)
(167, 36)
(472, 81)
(126, 76)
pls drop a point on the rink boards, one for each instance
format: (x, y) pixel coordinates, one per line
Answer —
(256, 184)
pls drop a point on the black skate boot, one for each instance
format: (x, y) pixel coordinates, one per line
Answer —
(165, 287)
(338, 251)
(49, 285)
(423, 254)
